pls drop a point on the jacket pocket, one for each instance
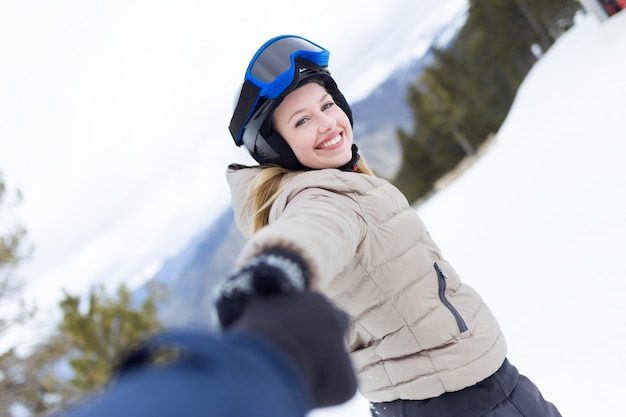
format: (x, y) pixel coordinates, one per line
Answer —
(441, 280)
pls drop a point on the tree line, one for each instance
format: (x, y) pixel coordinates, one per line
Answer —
(465, 95)
(80, 353)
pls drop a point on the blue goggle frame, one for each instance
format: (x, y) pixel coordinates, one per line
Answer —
(271, 71)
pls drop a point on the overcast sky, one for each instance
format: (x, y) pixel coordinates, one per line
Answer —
(114, 115)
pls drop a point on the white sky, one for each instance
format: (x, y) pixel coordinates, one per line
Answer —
(114, 115)
(538, 225)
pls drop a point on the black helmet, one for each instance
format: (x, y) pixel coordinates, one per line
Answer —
(280, 66)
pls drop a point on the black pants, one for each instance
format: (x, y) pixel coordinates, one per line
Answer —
(504, 394)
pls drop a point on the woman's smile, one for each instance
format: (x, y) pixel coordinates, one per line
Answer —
(330, 143)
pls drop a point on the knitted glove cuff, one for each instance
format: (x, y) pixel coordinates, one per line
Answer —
(274, 271)
(278, 271)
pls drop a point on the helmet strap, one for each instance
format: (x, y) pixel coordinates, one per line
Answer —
(287, 158)
(351, 166)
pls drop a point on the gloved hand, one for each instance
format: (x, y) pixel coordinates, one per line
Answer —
(275, 271)
(310, 330)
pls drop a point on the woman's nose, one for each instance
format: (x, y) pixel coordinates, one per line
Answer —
(327, 122)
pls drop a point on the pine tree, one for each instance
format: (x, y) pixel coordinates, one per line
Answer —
(465, 95)
(80, 357)
(13, 251)
(110, 326)
(88, 341)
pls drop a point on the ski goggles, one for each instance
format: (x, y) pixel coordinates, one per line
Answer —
(273, 69)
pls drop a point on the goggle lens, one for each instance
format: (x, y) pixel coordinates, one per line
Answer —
(276, 58)
(271, 71)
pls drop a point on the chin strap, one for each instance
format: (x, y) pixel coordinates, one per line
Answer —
(351, 166)
(290, 161)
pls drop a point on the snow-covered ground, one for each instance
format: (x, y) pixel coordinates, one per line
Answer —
(538, 225)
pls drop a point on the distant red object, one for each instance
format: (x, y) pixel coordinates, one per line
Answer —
(613, 6)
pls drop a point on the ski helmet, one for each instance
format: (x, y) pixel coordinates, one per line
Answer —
(280, 66)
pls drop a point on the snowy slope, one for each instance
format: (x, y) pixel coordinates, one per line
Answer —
(538, 225)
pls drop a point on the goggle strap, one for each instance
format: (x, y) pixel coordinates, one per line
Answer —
(243, 111)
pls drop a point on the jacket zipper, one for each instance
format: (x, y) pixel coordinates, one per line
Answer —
(441, 278)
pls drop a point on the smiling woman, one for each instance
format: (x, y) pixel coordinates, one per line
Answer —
(422, 343)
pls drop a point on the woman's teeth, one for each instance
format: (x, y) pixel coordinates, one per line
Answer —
(331, 142)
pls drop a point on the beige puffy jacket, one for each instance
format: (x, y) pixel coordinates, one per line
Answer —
(416, 330)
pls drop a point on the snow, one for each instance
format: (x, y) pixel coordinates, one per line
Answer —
(538, 226)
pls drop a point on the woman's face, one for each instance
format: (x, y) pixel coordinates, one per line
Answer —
(315, 127)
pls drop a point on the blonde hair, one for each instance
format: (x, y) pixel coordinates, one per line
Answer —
(266, 188)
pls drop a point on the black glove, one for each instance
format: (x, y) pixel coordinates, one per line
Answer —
(275, 271)
(311, 331)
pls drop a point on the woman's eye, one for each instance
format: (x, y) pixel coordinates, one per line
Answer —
(328, 105)
(300, 122)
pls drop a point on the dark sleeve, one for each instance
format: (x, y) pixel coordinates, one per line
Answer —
(210, 375)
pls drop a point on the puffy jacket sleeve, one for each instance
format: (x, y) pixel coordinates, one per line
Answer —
(318, 217)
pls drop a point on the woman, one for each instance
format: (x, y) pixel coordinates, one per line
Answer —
(422, 342)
